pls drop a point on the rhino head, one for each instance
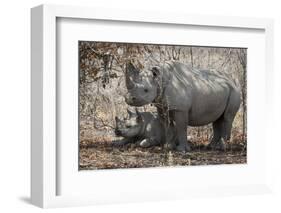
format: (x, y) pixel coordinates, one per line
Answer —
(131, 126)
(141, 85)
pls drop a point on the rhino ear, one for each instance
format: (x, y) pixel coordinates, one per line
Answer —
(155, 71)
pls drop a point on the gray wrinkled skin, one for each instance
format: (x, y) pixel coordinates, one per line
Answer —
(186, 96)
(143, 128)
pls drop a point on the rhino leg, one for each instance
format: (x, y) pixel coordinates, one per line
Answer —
(218, 128)
(169, 129)
(222, 127)
(149, 142)
(144, 143)
(227, 129)
(123, 142)
(229, 114)
(180, 119)
(222, 131)
(170, 142)
(171, 136)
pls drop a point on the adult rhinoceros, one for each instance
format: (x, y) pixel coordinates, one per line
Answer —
(186, 97)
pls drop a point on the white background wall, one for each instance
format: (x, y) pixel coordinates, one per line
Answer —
(15, 103)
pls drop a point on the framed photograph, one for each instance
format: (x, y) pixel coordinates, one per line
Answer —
(131, 106)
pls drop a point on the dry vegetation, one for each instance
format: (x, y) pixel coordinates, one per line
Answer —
(102, 86)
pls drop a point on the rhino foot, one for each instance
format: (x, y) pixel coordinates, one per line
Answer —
(183, 148)
(169, 146)
(121, 142)
(145, 143)
(218, 145)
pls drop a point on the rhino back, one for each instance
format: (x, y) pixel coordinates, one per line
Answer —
(203, 94)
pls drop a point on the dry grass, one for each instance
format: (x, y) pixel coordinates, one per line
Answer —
(107, 155)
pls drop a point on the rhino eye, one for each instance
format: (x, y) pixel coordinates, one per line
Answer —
(145, 90)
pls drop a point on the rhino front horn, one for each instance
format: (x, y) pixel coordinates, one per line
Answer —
(131, 74)
(129, 82)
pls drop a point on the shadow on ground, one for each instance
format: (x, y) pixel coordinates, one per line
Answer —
(26, 200)
(106, 155)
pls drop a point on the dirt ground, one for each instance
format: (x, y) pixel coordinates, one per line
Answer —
(107, 155)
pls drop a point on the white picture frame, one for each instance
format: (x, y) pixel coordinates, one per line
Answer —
(44, 148)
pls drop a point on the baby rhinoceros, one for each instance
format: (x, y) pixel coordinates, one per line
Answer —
(142, 128)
